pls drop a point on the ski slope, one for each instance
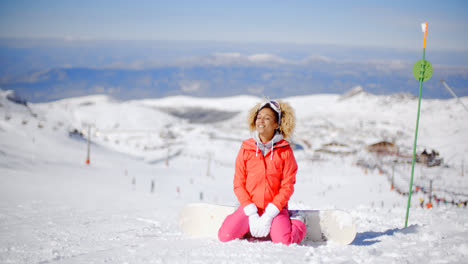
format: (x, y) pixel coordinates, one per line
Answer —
(146, 163)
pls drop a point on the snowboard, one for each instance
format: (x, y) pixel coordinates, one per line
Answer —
(203, 220)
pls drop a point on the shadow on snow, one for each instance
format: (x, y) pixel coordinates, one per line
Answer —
(371, 238)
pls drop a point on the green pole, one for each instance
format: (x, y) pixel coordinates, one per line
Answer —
(422, 71)
(415, 138)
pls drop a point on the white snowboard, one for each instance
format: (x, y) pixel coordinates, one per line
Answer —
(203, 220)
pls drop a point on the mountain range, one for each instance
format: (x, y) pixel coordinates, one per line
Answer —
(40, 74)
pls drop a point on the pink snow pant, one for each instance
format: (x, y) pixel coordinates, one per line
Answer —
(283, 230)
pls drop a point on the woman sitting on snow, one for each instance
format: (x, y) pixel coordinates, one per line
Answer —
(264, 179)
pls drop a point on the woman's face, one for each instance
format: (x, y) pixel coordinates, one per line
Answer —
(266, 124)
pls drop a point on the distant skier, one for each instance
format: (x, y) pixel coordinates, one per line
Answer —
(264, 179)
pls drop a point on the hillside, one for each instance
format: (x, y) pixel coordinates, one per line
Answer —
(150, 157)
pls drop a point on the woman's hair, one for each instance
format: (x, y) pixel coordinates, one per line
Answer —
(288, 118)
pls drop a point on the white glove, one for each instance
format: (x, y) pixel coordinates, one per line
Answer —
(251, 211)
(264, 223)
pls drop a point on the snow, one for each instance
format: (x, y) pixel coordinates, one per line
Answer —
(123, 207)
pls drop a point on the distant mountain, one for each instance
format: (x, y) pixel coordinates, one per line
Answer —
(44, 71)
(264, 76)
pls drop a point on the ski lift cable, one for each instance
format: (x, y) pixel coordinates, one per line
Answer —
(454, 95)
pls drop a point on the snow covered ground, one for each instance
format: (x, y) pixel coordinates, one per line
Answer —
(146, 164)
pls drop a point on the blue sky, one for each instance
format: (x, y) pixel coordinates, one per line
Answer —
(392, 24)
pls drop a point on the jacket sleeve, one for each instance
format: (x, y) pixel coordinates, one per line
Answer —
(240, 178)
(288, 180)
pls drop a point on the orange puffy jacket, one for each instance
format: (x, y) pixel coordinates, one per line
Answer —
(262, 180)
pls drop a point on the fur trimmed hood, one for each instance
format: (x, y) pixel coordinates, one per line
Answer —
(288, 119)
